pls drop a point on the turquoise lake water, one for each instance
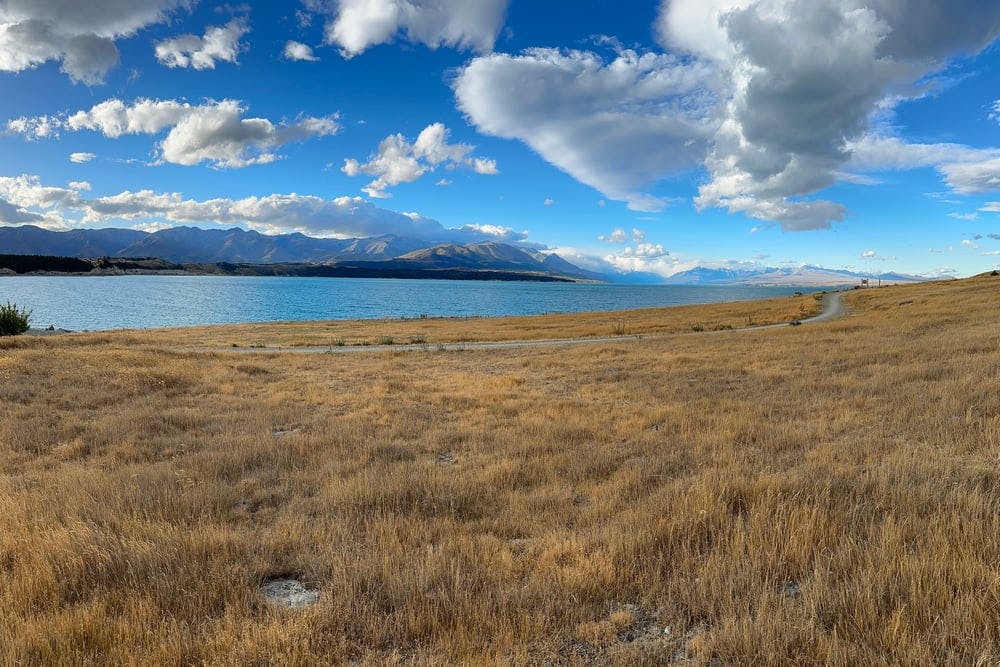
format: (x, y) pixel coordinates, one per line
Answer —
(136, 302)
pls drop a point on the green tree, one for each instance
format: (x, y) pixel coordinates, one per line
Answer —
(13, 320)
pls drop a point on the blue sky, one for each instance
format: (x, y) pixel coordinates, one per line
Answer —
(646, 136)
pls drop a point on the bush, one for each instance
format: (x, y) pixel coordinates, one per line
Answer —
(13, 320)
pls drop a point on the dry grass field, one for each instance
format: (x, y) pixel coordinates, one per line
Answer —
(824, 494)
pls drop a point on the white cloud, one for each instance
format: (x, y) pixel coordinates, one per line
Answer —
(485, 166)
(615, 126)
(648, 250)
(35, 127)
(496, 232)
(966, 170)
(620, 236)
(25, 199)
(549, 201)
(219, 43)
(443, 182)
(356, 25)
(80, 186)
(213, 132)
(616, 236)
(869, 254)
(663, 265)
(770, 97)
(964, 216)
(299, 51)
(973, 178)
(81, 158)
(970, 244)
(399, 161)
(80, 35)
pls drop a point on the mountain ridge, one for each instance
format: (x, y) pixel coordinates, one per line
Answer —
(193, 245)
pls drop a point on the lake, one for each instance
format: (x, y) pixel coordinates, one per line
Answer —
(136, 302)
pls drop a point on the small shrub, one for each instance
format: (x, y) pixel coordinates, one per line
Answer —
(697, 327)
(620, 328)
(13, 320)
(340, 342)
(384, 340)
(419, 339)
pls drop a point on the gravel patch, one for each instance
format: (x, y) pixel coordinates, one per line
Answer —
(289, 593)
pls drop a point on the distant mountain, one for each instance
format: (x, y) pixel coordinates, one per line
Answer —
(801, 276)
(193, 245)
(31, 240)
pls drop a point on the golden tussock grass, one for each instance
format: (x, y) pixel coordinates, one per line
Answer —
(824, 494)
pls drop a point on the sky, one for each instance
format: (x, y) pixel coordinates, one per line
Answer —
(625, 135)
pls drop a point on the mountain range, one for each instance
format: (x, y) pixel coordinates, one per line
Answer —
(799, 276)
(193, 245)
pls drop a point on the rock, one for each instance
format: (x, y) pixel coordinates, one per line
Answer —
(289, 593)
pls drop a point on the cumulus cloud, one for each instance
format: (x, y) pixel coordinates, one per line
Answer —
(869, 254)
(219, 43)
(299, 51)
(662, 264)
(80, 35)
(970, 244)
(494, 233)
(769, 97)
(213, 132)
(648, 250)
(15, 215)
(620, 236)
(81, 158)
(615, 125)
(356, 25)
(25, 199)
(35, 127)
(616, 236)
(400, 161)
(549, 201)
(807, 77)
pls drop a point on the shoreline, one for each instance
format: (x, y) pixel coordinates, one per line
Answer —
(800, 293)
